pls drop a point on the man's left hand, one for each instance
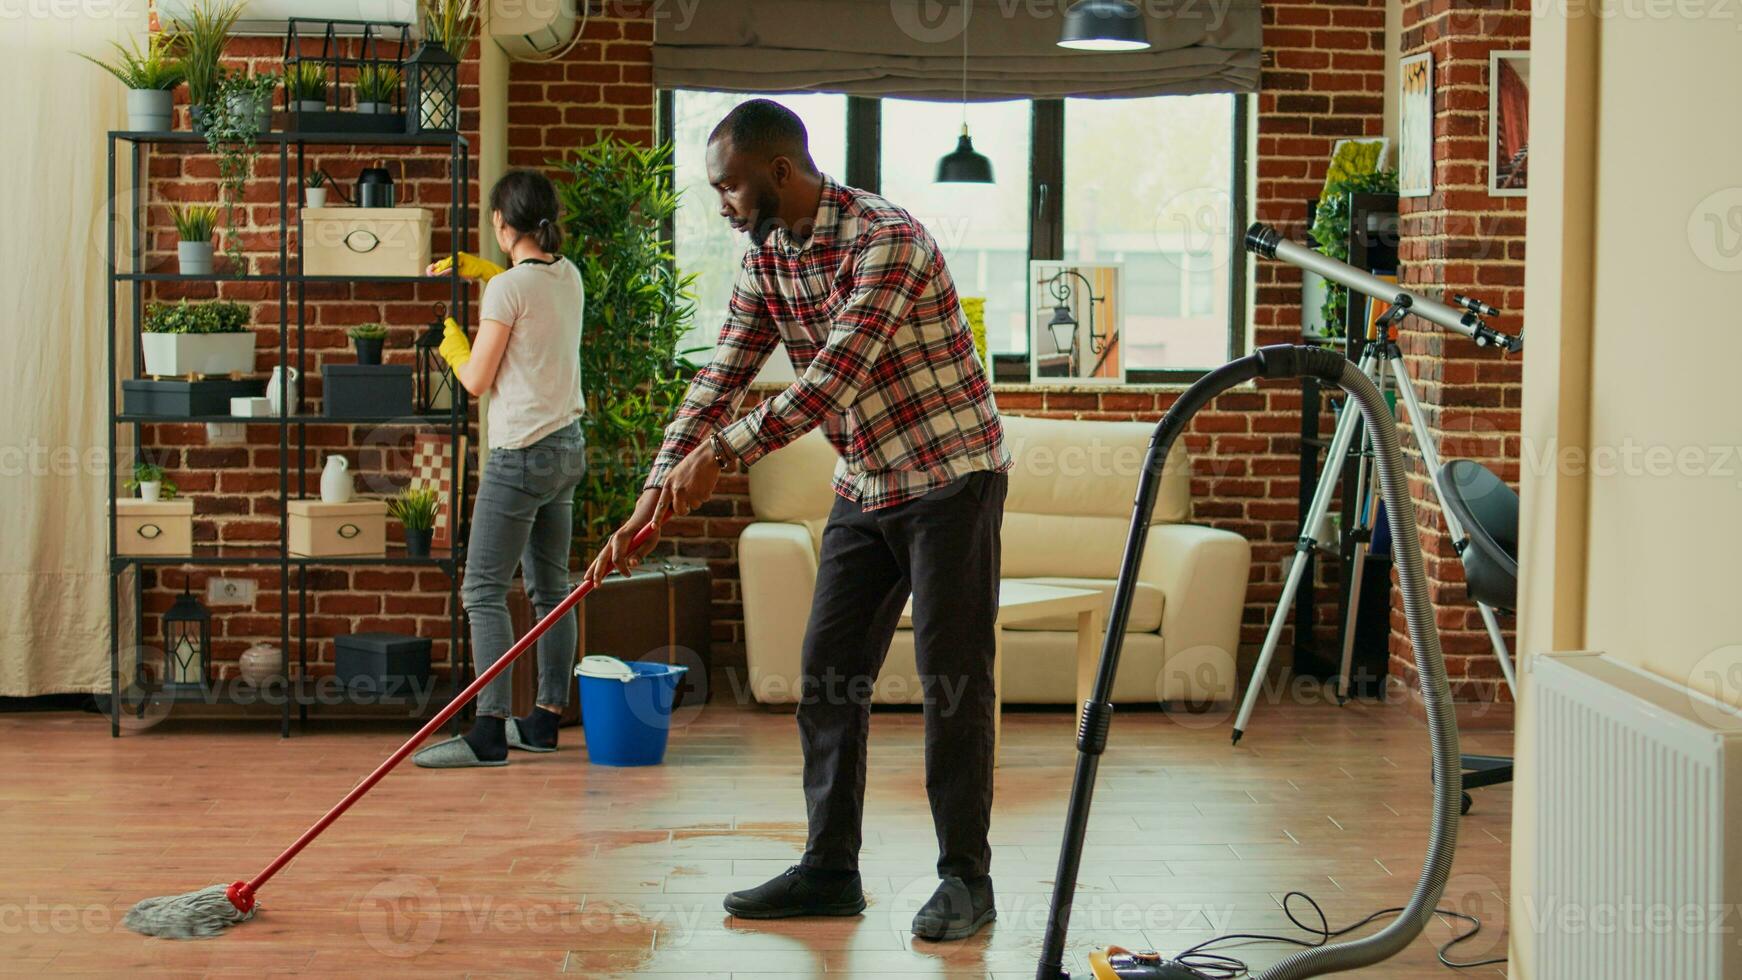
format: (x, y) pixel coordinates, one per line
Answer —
(691, 482)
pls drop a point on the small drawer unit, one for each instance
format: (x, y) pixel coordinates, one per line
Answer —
(154, 527)
(365, 241)
(349, 530)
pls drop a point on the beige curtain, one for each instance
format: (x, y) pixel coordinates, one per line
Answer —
(913, 49)
(54, 595)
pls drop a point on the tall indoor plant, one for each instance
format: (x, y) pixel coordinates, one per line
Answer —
(201, 37)
(617, 198)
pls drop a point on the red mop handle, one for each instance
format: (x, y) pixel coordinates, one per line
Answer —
(241, 894)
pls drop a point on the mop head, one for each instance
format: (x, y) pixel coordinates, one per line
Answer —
(194, 915)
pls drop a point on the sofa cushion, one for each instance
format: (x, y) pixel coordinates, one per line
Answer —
(1146, 604)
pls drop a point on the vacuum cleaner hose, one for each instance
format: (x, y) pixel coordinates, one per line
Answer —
(1442, 723)
(1331, 367)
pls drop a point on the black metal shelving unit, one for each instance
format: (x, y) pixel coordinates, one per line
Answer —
(290, 148)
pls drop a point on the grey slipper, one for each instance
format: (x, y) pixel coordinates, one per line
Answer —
(516, 742)
(455, 753)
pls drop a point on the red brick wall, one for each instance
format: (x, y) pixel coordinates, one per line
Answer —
(1461, 239)
(603, 87)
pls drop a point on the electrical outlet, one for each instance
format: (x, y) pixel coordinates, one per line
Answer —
(230, 591)
(225, 434)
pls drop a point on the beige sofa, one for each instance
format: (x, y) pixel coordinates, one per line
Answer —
(1065, 523)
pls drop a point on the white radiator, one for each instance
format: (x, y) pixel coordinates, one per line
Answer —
(1638, 836)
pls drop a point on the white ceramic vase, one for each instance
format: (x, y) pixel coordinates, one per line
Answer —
(272, 397)
(336, 483)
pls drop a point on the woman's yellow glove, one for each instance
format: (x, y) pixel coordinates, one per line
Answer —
(471, 267)
(455, 348)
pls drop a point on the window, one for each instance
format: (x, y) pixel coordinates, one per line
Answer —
(1153, 184)
(705, 244)
(982, 228)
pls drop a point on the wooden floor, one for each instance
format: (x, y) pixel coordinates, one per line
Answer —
(550, 865)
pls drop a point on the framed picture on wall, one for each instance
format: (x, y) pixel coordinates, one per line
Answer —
(1415, 125)
(1076, 321)
(1508, 123)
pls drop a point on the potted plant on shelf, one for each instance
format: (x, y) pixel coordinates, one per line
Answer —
(305, 83)
(367, 339)
(196, 338)
(202, 33)
(616, 201)
(376, 86)
(246, 92)
(235, 115)
(415, 507)
(194, 224)
(314, 190)
(151, 75)
(148, 479)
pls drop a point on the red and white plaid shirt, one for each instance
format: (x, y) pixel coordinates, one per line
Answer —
(884, 358)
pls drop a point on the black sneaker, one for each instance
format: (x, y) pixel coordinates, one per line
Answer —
(800, 891)
(957, 909)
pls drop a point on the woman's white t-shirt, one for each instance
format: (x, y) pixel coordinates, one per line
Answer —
(538, 385)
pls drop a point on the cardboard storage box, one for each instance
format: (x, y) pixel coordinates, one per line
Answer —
(366, 391)
(387, 664)
(323, 530)
(186, 399)
(365, 241)
(154, 527)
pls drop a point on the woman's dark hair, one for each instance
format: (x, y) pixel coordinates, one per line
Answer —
(528, 205)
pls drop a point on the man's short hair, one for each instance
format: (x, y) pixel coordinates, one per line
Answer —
(766, 128)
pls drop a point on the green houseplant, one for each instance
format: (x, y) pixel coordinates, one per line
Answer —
(183, 338)
(148, 479)
(415, 507)
(151, 74)
(367, 339)
(314, 189)
(237, 113)
(305, 83)
(376, 86)
(616, 198)
(451, 24)
(1330, 231)
(194, 224)
(201, 36)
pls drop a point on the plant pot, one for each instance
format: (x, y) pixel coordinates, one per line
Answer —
(151, 490)
(368, 351)
(309, 105)
(375, 108)
(197, 117)
(314, 197)
(217, 354)
(194, 258)
(150, 110)
(417, 541)
(262, 109)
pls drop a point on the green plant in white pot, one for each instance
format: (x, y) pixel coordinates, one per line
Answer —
(151, 75)
(194, 224)
(148, 479)
(415, 507)
(314, 189)
(376, 86)
(306, 84)
(180, 339)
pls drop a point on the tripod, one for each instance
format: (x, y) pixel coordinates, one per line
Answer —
(1381, 361)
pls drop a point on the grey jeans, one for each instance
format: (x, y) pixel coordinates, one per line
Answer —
(524, 516)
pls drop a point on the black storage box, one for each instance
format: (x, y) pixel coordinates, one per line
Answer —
(384, 665)
(350, 391)
(185, 399)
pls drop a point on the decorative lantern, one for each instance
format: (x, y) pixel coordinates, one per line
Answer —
(187, 644)
(432, 91)
(435, 383)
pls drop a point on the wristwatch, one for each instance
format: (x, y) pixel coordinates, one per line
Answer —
(722, 456)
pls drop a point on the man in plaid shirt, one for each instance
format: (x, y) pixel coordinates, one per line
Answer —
(858, 292)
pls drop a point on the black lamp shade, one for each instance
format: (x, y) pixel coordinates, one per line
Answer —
(432, 91)
(1104, 25)
(963, 165)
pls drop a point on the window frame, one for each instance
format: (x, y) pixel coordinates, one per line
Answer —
(1046, 179)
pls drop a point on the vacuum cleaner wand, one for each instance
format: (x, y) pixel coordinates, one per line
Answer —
(1272, 362)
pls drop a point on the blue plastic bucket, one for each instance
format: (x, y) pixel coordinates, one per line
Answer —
(627, 721)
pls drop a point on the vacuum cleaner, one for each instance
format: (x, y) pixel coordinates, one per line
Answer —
(1115, 963)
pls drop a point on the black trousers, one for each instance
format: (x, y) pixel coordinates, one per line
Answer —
(943, 550)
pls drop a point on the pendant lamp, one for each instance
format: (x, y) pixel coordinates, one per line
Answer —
(1104, 25)
(963, 165)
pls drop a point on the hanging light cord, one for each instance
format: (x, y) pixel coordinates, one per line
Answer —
(965, 4)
